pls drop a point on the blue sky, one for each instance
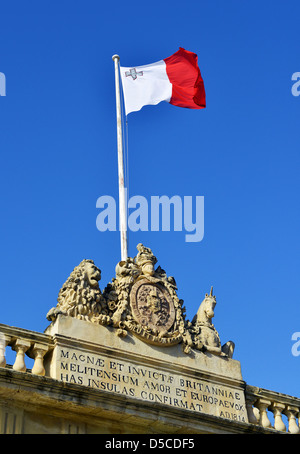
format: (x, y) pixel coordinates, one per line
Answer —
(59, 154)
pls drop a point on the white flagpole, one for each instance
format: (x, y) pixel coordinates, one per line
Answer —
(122, 199)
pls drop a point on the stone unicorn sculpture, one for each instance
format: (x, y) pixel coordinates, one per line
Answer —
(205, 334)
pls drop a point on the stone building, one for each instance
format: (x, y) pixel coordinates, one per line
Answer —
(127, 361)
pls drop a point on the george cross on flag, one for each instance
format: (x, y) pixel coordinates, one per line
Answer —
(176, 79)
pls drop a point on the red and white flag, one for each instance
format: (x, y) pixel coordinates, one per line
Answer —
(176, 79)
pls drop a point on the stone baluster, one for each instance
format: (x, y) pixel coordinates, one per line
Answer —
(20, 346)
(2, 355)
(38, 352)
(4, 341)
(291, 413)
(262, 405)
(252, 417)
(277, 410)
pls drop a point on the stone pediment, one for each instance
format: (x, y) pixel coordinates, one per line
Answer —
(142, 300)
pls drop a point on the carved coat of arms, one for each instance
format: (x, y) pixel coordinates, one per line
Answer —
(145, 302)
(152, 306)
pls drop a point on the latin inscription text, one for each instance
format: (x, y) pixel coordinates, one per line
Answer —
(148, 384)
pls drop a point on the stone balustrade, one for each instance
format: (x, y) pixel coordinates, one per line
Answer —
(34, 345)
(264, 406)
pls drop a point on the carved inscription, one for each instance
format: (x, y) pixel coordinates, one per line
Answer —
(148, 384)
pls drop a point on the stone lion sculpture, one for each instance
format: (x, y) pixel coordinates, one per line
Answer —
(80, 296)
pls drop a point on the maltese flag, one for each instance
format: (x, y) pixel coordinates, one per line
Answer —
(176, 79)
